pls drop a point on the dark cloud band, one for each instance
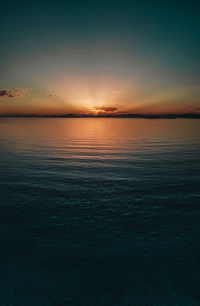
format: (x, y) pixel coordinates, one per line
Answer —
(106, 109)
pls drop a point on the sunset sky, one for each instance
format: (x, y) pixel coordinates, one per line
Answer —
(61, 57)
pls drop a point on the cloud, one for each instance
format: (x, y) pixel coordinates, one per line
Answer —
(195, 109)
(106, 109)
(52, 95)
(11, 95)
(14, 93)
(3, 93)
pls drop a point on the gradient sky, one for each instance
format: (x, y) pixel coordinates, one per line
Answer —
(99, 56)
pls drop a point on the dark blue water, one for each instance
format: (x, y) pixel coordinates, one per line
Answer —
(99, 212)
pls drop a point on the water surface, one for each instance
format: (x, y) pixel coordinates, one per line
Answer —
(99, 212)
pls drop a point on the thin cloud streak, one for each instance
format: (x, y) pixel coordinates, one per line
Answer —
(106, 108)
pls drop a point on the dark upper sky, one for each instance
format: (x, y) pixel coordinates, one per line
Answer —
(60, 56)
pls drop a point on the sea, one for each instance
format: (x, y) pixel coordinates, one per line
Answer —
(99, 211)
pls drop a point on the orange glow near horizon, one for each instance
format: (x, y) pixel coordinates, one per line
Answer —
(99, 96)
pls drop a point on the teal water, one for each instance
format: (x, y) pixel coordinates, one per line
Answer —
(99, 212)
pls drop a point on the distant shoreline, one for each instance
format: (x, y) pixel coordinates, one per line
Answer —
(134, 116)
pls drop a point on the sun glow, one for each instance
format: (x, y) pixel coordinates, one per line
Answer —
(87, 93)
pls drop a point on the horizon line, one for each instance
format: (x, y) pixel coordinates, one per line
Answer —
(71, 115)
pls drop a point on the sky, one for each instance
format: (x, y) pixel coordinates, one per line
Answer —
(60, 57)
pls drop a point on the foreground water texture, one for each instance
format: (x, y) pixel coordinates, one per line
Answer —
(99, 212)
